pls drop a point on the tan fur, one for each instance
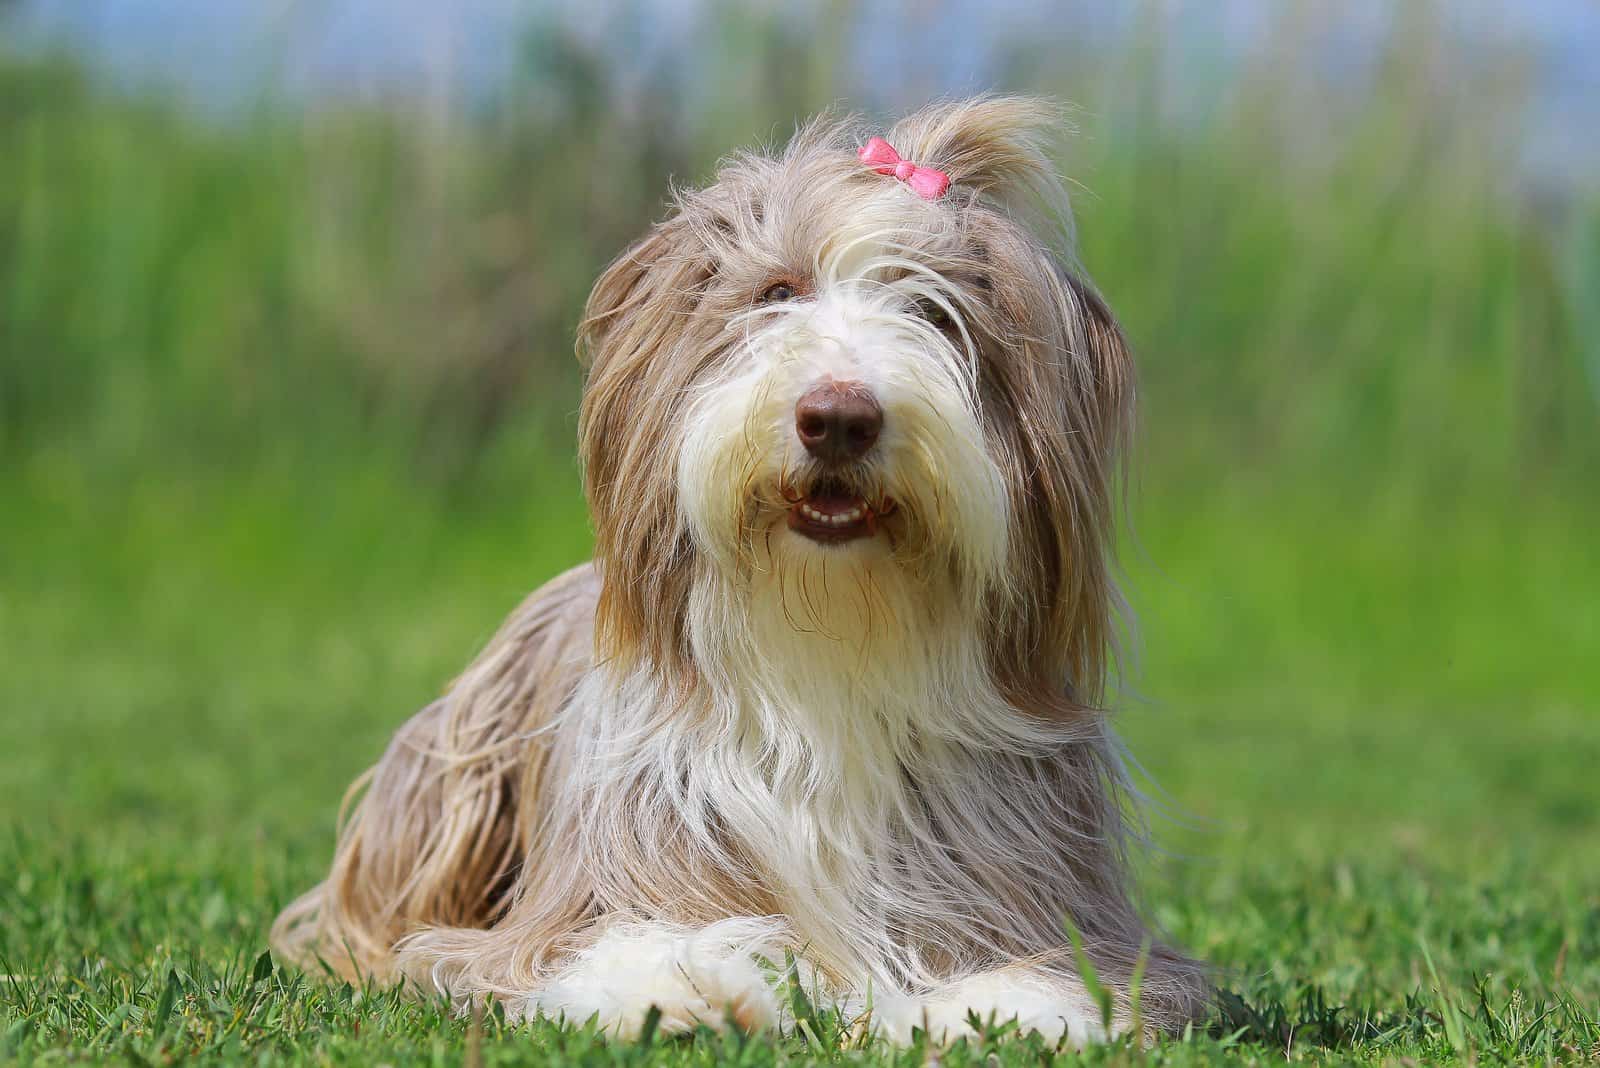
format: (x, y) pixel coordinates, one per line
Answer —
(536, 805)
(441, 824)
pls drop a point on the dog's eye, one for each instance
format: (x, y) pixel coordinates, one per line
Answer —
(934, 314)
(778, 292)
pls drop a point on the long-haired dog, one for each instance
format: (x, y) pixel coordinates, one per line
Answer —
(832, 689)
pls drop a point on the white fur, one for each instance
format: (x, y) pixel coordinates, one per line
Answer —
(693, 977)
(1057, 1010)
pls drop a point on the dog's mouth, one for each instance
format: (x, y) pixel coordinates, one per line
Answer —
(830, 512)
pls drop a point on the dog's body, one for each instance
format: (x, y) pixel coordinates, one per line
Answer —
(831, 688)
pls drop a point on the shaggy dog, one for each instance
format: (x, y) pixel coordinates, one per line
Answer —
(831, 690)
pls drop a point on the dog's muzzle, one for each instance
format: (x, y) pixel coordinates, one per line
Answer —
(838, 423)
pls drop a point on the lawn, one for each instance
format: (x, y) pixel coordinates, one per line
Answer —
(1376, 734)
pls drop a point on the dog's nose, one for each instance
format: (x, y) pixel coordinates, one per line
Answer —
(838, 421)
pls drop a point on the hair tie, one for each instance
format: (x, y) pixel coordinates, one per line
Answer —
(926, 182)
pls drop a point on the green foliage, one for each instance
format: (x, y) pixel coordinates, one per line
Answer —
(1333, 291)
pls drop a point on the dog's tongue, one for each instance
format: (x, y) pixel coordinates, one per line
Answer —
(833, 503)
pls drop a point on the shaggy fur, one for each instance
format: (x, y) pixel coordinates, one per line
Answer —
(724, 742)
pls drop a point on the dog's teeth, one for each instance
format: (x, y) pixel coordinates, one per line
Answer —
(833, 519)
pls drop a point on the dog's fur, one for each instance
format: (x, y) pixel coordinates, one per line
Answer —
(723, 743)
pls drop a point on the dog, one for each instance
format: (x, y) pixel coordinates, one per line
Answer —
(827, 706)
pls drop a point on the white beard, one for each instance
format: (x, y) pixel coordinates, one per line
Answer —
(816, 750)
(818, 730)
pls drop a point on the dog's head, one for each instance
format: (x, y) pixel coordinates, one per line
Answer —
(824, 384)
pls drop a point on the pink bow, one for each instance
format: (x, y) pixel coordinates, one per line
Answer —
(926, 182)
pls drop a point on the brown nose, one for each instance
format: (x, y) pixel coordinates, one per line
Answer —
(838, 421)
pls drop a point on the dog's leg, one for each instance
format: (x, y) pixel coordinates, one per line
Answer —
(715, 975)
(429, 842)
(1056, 1006)
(436, 838)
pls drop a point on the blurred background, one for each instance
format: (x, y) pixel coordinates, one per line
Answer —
(287, 392)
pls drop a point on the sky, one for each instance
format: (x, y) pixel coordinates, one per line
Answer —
(224, 51)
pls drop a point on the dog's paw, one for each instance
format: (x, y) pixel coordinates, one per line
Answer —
(1055, 1007)
(708, 975)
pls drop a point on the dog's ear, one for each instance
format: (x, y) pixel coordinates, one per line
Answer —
(1068, 389)
(632, 341)
(1063, 374)
(622, 288)
(988, 144)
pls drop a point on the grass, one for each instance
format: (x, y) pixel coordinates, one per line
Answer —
(1382, 846)
(285, 405)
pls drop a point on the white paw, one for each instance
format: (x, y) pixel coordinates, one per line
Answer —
(1055, 1007)
(699, 975)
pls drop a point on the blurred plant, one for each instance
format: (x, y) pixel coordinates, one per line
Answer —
(1582, 276)
(1340, 287)
(1348, 290)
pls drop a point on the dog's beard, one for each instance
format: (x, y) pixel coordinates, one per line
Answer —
(835, 672)
(850, 659)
